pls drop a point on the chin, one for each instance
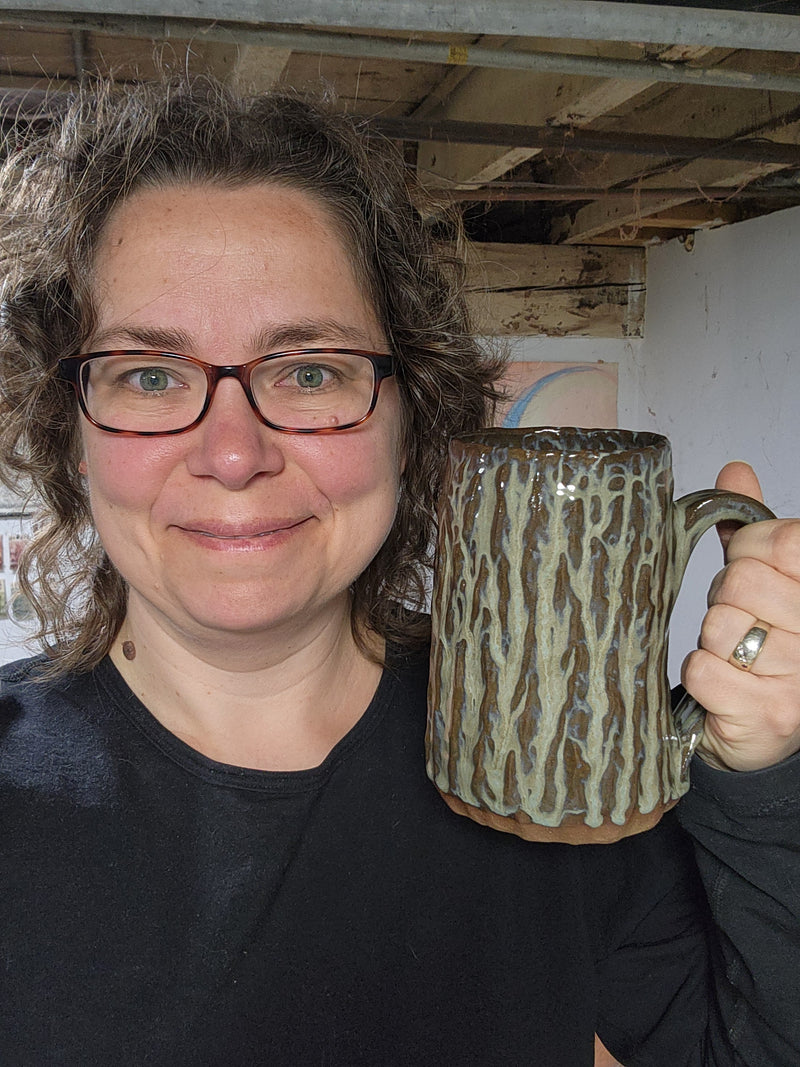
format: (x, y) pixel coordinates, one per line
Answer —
(228, 618)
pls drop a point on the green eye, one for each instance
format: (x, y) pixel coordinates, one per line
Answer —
(310, 377)
(153, 380)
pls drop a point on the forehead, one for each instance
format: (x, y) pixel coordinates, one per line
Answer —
(155, 214)
(201, 251)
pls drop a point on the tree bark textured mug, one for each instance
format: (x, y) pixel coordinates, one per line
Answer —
(560, 556)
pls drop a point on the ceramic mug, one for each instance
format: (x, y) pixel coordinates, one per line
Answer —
(559, 559)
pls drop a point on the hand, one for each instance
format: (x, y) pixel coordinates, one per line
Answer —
(753, 716)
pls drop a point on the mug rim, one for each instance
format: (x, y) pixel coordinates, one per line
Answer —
(577, 440)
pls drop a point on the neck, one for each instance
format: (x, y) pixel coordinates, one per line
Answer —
(270, 702)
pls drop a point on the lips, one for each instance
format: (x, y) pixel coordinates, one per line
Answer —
(257, 533)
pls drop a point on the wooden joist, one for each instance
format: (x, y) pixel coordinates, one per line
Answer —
(559, 291)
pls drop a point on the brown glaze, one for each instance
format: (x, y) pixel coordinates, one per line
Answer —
(572, 831)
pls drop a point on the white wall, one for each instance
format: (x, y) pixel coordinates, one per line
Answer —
(718, 373)
(721, 371)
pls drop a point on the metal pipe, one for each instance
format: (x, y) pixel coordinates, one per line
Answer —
(565, 139)
(599, 20)
(491, 193)
(36, 103)
(362, 46)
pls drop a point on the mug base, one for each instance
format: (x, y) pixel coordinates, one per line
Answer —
(572, 831)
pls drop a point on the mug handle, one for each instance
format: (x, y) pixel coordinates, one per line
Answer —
(694, 514)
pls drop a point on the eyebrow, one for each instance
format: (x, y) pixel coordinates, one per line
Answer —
(307, 332)
(165, 340)
(304, 333)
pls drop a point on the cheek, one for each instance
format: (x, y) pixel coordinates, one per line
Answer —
(124, 473)
(351, 474)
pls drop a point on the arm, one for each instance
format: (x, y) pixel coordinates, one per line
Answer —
(746, 831)
(743, 810)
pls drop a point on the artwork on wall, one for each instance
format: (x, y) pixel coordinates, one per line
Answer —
(3, 605)
(559, 394)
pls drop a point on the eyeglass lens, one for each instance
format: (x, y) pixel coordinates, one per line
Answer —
(157, 392)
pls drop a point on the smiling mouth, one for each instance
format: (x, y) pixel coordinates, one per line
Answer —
(236, 537)
(233, 535)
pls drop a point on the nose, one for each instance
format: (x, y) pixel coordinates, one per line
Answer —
(231, 444)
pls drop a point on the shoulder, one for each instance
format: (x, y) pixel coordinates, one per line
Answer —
(26, 679)
(20, 671)
(28, 693)
(17, 678)
(56, 738)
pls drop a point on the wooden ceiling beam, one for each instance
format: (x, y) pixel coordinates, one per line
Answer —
(695, 216)
(257, 69)
(515, 290)
(599, 218)
(755, 118)
(515, 97)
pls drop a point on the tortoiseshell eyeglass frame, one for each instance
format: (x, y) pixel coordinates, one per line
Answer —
(70, 370)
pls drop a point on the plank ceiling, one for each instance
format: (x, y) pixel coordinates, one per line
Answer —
(561, 123)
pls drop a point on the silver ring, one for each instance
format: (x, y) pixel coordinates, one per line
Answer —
(746, 652)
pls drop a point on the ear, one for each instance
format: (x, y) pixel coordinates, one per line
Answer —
(82, 467)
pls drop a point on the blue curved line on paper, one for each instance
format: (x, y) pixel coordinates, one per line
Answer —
(517, 409)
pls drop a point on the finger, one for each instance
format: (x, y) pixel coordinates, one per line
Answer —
(752, 721)
(719, 687)
(757, 588)
(736, 477)
(776, 543)
(724, 627)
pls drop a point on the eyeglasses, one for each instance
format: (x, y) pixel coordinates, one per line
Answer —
(149, 394)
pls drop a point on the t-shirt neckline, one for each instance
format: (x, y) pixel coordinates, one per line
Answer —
(115, 688)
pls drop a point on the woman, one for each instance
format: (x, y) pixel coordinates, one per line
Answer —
(233, 353)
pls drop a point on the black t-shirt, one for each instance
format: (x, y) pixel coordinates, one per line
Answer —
(157, 907)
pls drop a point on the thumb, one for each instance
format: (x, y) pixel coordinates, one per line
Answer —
(736, 477)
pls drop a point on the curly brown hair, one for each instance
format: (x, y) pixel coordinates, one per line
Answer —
(58, 187)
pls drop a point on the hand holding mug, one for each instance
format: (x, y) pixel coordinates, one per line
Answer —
(753, 708)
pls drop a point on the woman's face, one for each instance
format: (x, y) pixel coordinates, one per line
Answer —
(234, 527)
